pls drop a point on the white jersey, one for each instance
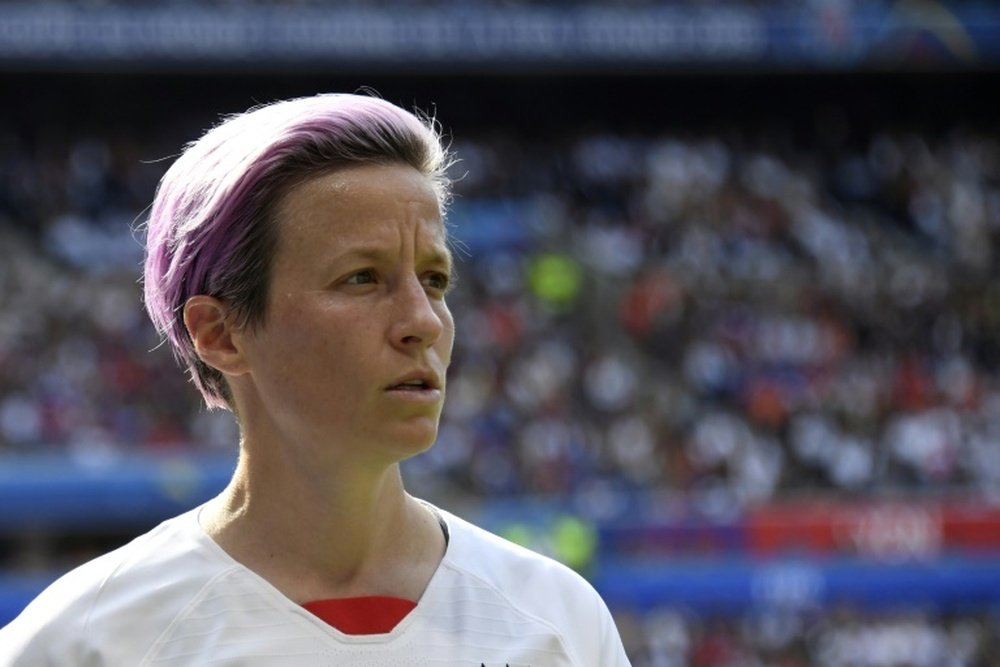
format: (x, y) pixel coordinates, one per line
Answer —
(174, 598)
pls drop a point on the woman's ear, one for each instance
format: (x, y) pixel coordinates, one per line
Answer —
(212, 332)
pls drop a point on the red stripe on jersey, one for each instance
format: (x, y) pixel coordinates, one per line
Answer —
(370, 615)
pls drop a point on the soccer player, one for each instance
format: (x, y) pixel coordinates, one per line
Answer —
(298, 263)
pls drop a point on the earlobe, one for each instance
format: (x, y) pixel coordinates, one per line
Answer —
(211, 329)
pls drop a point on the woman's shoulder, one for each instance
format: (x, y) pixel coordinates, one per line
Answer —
(514, 569)
(120, 590)
(508, 586)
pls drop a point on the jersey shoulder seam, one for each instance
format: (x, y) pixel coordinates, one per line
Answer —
(515, 607)
(182, 613)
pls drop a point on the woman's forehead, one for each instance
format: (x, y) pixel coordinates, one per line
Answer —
(369, 190)
(369, 205)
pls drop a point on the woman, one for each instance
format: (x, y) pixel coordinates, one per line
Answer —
(298, 264)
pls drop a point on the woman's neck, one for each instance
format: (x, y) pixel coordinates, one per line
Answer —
(328, 534)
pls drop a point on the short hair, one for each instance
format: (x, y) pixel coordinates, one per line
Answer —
(210, 228)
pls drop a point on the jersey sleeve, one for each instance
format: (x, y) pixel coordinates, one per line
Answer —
(591, 633)
(611, 651)
(46, 633)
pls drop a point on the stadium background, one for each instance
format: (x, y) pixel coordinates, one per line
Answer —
(728, 305)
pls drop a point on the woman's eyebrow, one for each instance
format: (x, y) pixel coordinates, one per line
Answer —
(439, 256)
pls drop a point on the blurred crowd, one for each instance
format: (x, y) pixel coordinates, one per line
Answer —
(839, 638)
(826, 5)
(733, 317)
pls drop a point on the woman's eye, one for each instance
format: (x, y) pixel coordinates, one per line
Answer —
(438, 281)
(361, 277)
